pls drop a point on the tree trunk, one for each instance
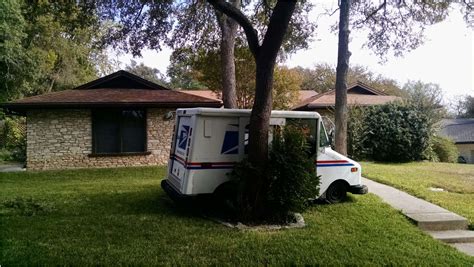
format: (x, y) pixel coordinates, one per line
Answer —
(343, 56)
(265, 61)
(228, 28)
(265, 57)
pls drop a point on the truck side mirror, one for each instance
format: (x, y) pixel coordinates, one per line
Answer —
(331, 136)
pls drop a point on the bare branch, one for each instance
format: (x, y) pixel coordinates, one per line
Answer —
(333, 12)
(373, 13)
(242, 20)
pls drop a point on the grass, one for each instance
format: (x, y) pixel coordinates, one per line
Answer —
(121, 216)
(416, 178)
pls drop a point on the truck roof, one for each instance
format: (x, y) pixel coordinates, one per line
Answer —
(219, 112)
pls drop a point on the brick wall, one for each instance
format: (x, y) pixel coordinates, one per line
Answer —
(62, 139)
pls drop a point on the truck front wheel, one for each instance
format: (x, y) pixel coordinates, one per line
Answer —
(336, 192)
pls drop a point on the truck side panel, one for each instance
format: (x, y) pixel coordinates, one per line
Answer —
(215, 150)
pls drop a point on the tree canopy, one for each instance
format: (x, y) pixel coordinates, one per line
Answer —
(48, 46)
(145, 72)
(398, 26)
(202, 70)
(322, 78)
(464, 107)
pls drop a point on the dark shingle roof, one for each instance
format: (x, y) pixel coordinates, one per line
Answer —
(120, 89)
(459, 130)
(358, 94)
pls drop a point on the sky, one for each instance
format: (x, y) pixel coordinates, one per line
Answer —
(446, 57)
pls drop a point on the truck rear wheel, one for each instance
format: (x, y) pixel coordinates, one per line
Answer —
(336, 192)
(225, 196)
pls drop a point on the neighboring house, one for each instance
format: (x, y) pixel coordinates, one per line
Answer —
(118, 120)
(358, 94)
(461, 131)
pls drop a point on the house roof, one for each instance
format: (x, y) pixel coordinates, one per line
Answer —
(461, 131)
(303, 94)
(204, 93)
(357, 94)
(120, 89)
(121, 79)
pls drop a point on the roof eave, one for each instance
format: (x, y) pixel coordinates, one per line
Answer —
(21, 107)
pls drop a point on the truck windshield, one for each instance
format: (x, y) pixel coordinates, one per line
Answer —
(323, 137)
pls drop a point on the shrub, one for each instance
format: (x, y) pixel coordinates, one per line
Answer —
(292, 173)
(15, 138)
(396, 132)
(290, 178)
(445, 149)
(356, 133)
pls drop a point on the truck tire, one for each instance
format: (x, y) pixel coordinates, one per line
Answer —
(336, 192)
(225, 196)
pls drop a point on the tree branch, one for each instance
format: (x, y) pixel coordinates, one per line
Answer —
(384, 3)
(242, 20)
(278, 26)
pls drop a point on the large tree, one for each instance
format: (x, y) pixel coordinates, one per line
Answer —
(265, 53)
(342, 69)
(204, 70)
(48, 47)
(146, 72)
(393, 26)
(463, 107)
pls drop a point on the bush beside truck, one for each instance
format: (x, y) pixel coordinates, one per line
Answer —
(396, 132)
(290, 179)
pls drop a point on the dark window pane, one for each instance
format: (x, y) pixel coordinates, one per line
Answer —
(133, 131)
(106, 128)
(118, 131)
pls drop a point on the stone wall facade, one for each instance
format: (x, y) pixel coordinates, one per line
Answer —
(62, 139)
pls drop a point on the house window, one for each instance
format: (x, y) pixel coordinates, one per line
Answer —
(118, 131)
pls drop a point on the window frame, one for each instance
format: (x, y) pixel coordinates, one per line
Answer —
(121, 153)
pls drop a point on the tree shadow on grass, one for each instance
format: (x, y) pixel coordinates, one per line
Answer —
(149, 201)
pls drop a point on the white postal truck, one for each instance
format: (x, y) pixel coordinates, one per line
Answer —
(208, 142)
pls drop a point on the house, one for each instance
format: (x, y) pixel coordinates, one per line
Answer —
(358, 94)
(117, 120)
(461, 131)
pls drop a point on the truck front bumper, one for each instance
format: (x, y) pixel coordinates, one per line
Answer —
(359, 189)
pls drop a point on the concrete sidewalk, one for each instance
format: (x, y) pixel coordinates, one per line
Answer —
(440, 223)
(12, 167)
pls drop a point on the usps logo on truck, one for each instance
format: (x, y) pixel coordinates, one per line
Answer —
(183, 137)
(231, 140)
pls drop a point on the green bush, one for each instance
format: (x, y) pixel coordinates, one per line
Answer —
(394, 132)
(445, 149)
(15, 138)
(292, 172)
(290, 179)
(356, 133)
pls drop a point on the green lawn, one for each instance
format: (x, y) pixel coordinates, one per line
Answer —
(121, 216)
(416, 178)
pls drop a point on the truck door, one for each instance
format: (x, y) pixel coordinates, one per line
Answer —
(181, 146)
